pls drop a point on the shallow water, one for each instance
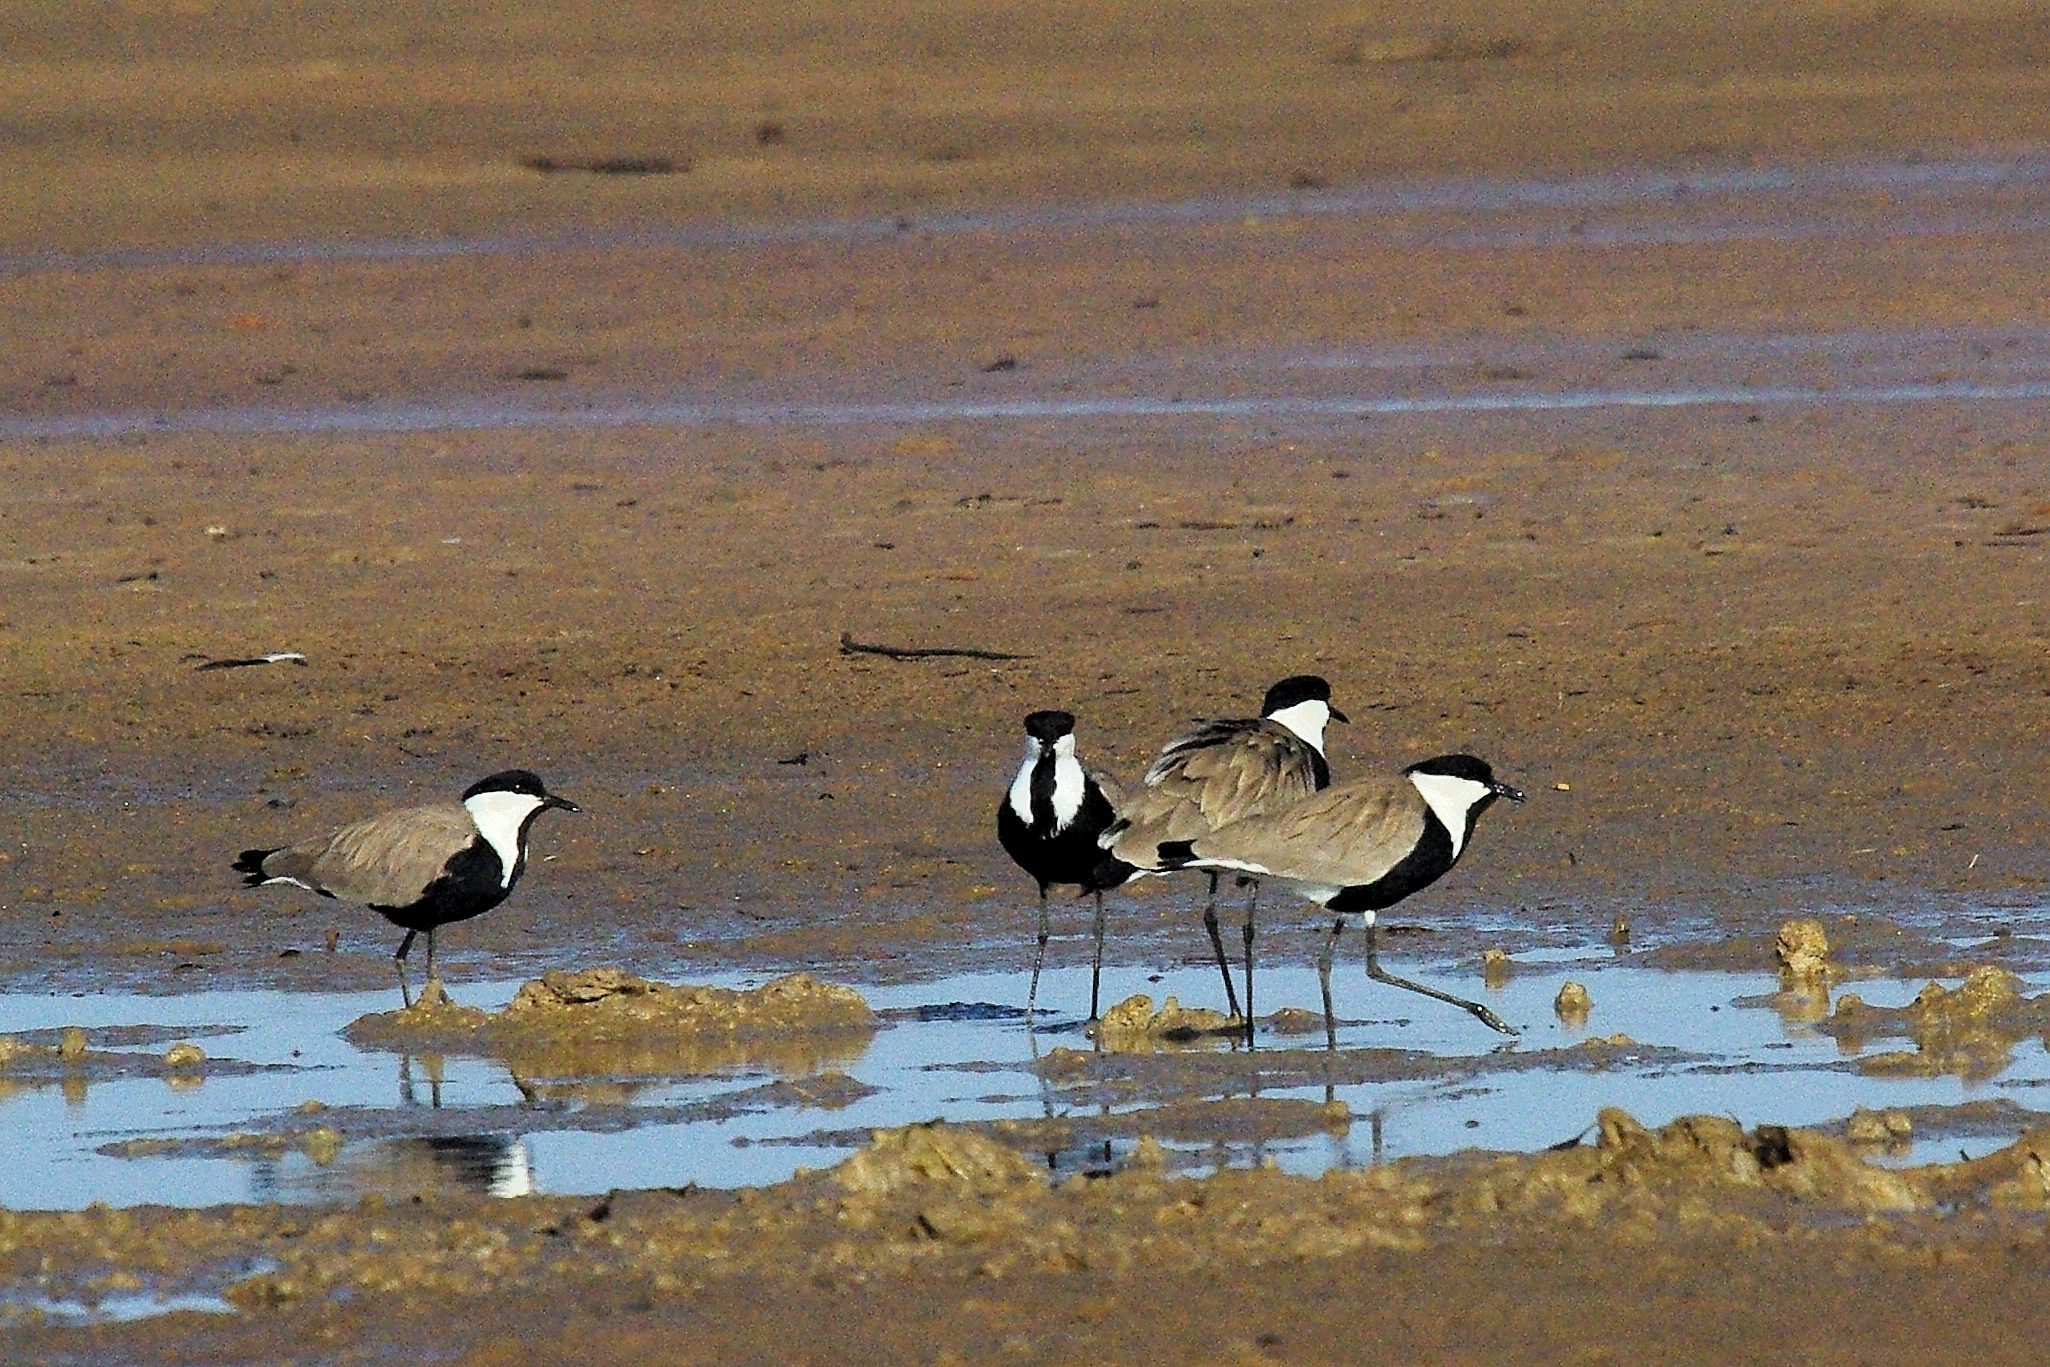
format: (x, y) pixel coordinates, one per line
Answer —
(1417, 1078)
(466, 414)
(1547, 374)
(1579, 196)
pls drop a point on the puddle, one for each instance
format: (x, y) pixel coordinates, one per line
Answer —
(111, 1309)
(481, 414)
(1465, 195)
(295, 1113)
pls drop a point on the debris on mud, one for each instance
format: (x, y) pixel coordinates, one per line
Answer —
(605, 1021)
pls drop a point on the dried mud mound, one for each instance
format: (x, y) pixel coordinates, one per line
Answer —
(1969, 1030)
(1134, 1026)
(607, 1022)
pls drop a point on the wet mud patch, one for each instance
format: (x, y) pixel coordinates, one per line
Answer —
(1845, 947)
(605, 1022)
(73, 1058)
(946, 1202)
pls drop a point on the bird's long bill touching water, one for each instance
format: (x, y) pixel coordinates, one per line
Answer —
(419, 867)
(1360, 847)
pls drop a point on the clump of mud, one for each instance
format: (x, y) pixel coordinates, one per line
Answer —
(917, 1154)
(1802, 948)
(1133, 1026)
(1969, 1030)
(605, 1021)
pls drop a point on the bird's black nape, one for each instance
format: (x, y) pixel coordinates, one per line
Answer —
(1049, 726)
(1294, 689)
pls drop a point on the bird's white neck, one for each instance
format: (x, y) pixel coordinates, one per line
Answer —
(1070, 783)
(1307, 719)
(1451, 798)
(499, 818)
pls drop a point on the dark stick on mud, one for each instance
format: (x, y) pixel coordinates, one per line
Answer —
(850, 646)
(280, 657)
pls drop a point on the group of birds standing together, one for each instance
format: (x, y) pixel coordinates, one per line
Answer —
(1250, 796)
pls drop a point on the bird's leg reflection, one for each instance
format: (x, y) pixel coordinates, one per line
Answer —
(431, 1067)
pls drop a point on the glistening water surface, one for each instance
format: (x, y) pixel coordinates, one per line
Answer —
(286, 1110)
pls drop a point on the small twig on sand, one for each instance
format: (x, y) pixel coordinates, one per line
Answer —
(276, 657)
(850, 646)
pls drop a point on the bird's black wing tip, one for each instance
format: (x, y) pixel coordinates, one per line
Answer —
(249, 864)
(1177, 854)
(1110, 872)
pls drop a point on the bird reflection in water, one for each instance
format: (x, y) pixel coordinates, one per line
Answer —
(401, 1168)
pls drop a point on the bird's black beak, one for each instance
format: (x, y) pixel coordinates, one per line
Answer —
(561, 803)
(1501, 789)
(1337, 715)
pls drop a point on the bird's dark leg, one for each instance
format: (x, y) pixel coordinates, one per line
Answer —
(405, 988)
(1096, 970)
(433, 974)
(1231, 993)
(1246, 934)
(1324, 960)
(1381, 975)
(1038, 959)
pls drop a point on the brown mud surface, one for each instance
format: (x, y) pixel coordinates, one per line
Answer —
(1750, 658)
(936, 1244)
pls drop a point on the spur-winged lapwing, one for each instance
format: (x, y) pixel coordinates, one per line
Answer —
(1223, 771)
(1049, 823)
(1360, 847)
(420, 867)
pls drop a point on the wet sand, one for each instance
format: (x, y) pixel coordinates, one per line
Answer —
(1655, 410)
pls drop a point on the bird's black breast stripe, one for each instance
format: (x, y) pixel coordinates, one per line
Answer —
(1320, 770)
(470, 885)
(1043, 817)
(1426, 863)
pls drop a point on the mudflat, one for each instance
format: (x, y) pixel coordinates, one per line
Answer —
(1650, 403)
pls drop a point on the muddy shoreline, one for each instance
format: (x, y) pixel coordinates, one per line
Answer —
(1651, 404)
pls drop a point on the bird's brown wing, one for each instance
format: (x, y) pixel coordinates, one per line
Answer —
(1113, 791)
(1344, 836)
(1222, 772)
(386, 860)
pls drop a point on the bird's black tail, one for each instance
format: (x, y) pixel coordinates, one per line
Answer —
(1177, 854)
(1110, 872)
(249, 864)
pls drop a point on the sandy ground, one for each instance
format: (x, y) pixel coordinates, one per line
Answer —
(1749, 658)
